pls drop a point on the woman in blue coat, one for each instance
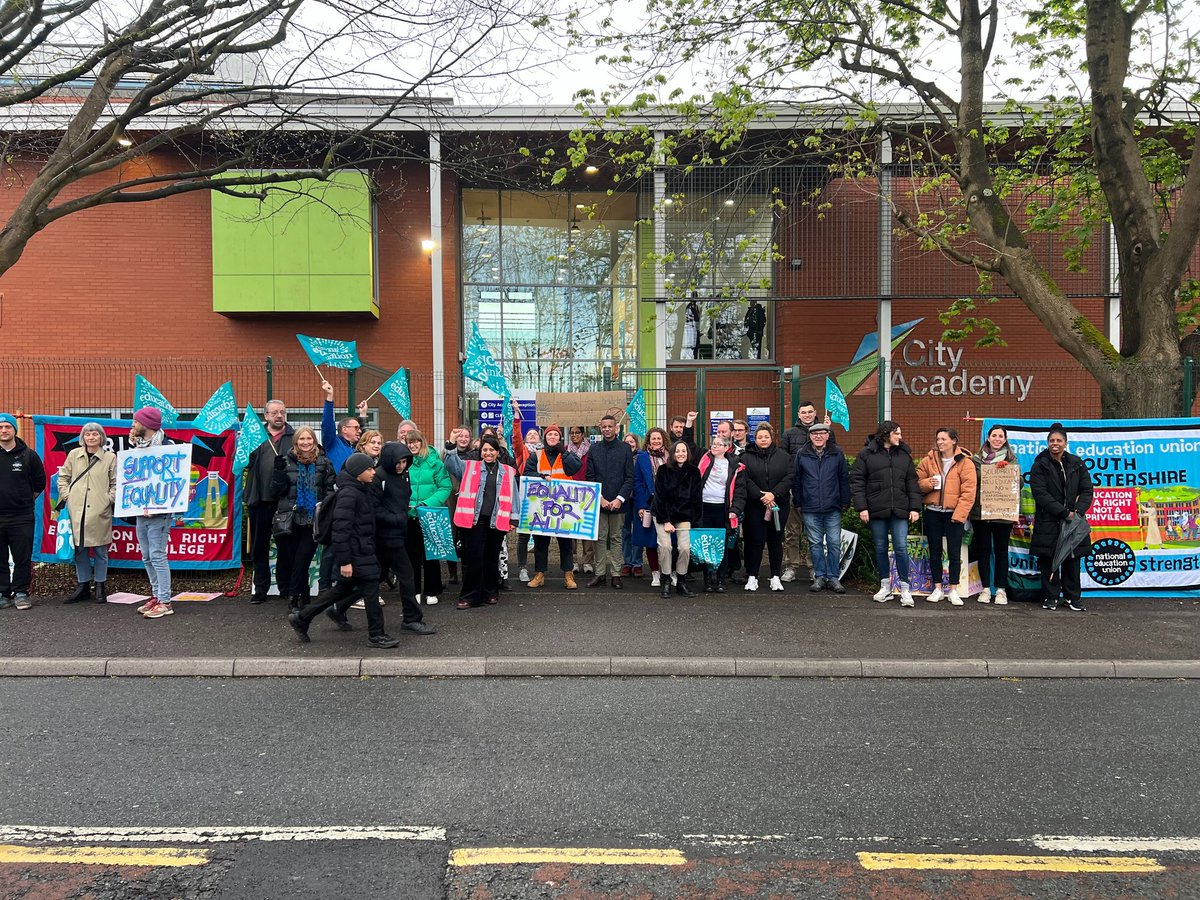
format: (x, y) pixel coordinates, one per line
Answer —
(645, 467)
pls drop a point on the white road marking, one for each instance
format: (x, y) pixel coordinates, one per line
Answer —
(220, 834)
(1096, 843)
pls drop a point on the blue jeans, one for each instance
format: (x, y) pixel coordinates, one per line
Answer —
(899, 532)
(152, 535)
(631, 555)
(86, 570)
(824, 533)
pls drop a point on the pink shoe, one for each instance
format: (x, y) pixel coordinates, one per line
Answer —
(146, 606)
(158, 610)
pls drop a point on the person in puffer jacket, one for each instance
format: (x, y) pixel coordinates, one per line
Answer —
(949, 481)
(354, 556)
(676, 507)
(391, 529)
(820, 491)
(722, 503)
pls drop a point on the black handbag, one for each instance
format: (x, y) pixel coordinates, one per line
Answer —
(282, 522)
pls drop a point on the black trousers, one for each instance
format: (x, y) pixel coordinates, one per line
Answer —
(344, 592)
(991, 542)
(427, 573)
(325, 578)
(258, 524)
(394, 557)
(1068, 583)
(541, 552)
(16, 537)
(761, 533)
(481, 563)
(940, 525)
(296, 552)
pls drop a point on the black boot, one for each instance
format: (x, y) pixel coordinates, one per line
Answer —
(681, 587)
(708, 581)
(101, 592)
(82, 593)
(666, 586)
(719, 581)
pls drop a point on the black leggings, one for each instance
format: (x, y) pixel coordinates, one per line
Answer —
(940, 525)
(761, 532)
(991, 542)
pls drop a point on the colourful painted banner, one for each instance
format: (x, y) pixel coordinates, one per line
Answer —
(436, 530)
(330, 352)
(220, 413)
(708, 545)
(560, 508)
(146, 394)
(204, 536)
(153, 480)
(1145, 513)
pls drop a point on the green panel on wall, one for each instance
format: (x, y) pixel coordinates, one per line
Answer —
(243, 293)
(314, 230)
(342, 293)
(291, 293)
(647, 312)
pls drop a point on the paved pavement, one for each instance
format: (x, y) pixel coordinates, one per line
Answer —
(634, 631)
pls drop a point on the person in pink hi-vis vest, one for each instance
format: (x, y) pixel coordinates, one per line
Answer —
(486, 512)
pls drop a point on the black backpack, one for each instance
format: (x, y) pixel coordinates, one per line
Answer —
(322, 524)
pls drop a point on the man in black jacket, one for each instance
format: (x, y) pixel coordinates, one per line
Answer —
(354, 556)
(260, 507)
(795, 439)
(22, 478)
(610, 462)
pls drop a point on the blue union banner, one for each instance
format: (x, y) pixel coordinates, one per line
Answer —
(560, 508)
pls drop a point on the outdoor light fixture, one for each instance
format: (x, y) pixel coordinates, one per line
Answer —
(428, 245)
(123, 139)
(575, 229)
(591, 170)
(730, 202)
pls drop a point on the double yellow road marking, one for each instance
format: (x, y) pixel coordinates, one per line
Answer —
(153, 857)
(962, 862)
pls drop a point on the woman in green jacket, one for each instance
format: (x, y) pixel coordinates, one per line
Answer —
(430, 487)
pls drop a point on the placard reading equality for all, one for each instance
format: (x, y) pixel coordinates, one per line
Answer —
(153, 480)
(560, 508)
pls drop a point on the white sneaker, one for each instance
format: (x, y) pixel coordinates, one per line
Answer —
(588, 570)
(655, 579)
(1001, 598)
(431, 601)
(985, 596)
(955, 600)
(524, 576)
(751, 584)
(789, 575)
(935, 595)
(358, 604)
(884, 593)
(906, 597)
(776, 584)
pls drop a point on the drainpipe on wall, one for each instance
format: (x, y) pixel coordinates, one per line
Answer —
(885, 272)
(435, 280)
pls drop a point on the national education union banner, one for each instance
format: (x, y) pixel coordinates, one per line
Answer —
(1145, 517)
(203, 536)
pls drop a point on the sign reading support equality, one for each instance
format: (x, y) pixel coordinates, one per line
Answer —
(999, 493)
(153, 480)
(560, 508)
(579, 409)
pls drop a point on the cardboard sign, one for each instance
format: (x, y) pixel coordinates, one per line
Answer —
(560, 508)
(999, 493)
(153, 480)
(579, 409)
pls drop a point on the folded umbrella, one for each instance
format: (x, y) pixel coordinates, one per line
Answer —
(1074, 532)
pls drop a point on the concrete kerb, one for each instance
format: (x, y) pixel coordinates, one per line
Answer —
(598, 666)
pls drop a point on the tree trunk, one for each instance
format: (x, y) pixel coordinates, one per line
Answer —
(1143, 389)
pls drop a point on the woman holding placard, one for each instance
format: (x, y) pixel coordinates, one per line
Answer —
(87, 485)
(992, 534)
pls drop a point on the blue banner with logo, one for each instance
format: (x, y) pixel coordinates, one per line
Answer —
(1145, 514)
(146, 394)
(437, 533)
(330, 352)
(708, 545)
(220, 413)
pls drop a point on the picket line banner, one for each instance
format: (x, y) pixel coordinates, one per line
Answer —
(153, 480)
(1145, 514)
(203, 535)
(560, 507)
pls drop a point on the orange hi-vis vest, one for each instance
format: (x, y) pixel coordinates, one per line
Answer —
(551, 470)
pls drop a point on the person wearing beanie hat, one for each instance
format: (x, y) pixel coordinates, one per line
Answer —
(153, 531)
(553, 462)
(355, 560)
(22, 478)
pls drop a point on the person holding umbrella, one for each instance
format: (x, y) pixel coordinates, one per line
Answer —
(1062, 493)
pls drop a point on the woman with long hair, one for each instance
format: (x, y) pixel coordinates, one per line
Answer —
(303, 477)
(486, 513)
(991, 535)
(677, 490)
(371, 443)
(883, 484)
(642, 531)
(430, 487)
(722, 503)
(947, 478)
(769, 476)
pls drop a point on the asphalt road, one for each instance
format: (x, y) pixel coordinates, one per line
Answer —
(806, 770)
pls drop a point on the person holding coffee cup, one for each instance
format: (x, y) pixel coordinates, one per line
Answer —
(948, 479)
